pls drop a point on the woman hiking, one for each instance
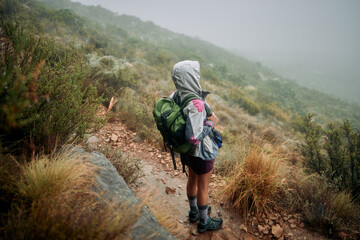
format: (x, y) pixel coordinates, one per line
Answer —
(199, 132)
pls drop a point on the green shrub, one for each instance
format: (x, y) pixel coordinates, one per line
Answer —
(238, 97)
(271, 109)
(336, 157)
(209, 75)
(311, 148)
(136, 111)
(110, 77)
(45, 98)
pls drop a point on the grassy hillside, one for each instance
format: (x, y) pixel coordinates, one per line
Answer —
(166, 45)
(60, 61)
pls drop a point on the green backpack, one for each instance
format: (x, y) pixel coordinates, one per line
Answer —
(171, 122)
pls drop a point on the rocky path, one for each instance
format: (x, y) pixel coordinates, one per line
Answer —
(164, 191)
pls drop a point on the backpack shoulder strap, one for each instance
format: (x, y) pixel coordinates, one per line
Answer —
(187, 99)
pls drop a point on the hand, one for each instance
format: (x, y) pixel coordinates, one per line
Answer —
(213, 118)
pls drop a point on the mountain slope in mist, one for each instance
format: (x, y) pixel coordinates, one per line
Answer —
(227, 67)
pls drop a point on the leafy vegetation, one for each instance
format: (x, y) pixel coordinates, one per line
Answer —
(45, 98)
(59, 63)
(333, 152)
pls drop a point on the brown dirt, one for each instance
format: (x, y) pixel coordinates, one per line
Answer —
(164, 191)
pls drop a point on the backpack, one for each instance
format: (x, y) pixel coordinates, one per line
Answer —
(171, 122)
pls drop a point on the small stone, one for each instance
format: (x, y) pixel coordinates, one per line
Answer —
(290, 235)
(137, 139)
(248, 236)
(291, 220)
(261, 228)
(292, 225)
(194, 231)
(114, 137)
(277, 231)
(273, 217)
(281, 221)
(92, 140)
(243, 227)
(302, 225)
(170, 190)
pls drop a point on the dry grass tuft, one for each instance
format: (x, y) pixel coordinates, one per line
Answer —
(53, 199)
(255, 178)
(46, 178)
(129, 168)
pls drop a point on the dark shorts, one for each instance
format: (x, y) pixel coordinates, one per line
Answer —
(197, 164)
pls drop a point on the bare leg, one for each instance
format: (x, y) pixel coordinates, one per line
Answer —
(192, 183)
(203, 188)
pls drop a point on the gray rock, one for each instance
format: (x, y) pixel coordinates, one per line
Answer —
(109, 182)
(92, 141)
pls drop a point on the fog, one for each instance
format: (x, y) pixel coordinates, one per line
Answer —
(313, 41)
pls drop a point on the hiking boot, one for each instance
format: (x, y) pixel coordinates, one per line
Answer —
(211, 225)
(194, 216)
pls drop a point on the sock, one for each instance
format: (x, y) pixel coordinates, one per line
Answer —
(193, 203)
(203, 211)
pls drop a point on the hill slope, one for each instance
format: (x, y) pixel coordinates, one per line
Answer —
(173, 47)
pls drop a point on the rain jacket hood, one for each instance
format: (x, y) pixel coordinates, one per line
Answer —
(186, 77)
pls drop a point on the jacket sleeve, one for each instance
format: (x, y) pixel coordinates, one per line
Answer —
(197, 125)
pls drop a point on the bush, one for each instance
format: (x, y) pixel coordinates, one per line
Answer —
(251, 107)
(273, 110)
(45, 98)
(311, 148)
(321, 207)
(136, 111)
(209, 75)
(110, 77)
(336, 157)
(53, 199)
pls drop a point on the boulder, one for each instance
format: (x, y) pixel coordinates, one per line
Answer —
(112, 185)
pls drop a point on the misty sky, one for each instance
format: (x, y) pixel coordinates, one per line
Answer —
(306, 26)
(322, 36)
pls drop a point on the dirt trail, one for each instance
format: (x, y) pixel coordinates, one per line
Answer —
(164, 190)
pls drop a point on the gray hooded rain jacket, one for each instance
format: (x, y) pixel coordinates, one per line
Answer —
(186, 77)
